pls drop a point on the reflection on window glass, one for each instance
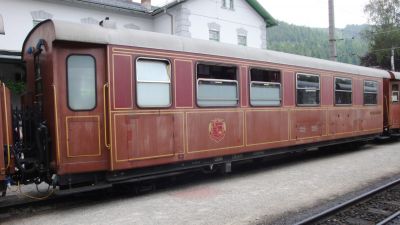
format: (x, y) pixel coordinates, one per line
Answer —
(308, 89)
(81, 74)
(216, 85)
(153, 83)
(343, 91)
(370, 92)
(395, 93)
(265, 87)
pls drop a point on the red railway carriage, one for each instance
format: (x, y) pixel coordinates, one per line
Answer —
(392, 105)
(115, 105)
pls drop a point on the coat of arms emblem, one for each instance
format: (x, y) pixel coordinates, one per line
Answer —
(217, 129)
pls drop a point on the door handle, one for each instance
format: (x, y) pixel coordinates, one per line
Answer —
(108, 146)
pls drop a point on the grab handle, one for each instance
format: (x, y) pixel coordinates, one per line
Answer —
(105, 116)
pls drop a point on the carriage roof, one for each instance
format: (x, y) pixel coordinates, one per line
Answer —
(68, 31)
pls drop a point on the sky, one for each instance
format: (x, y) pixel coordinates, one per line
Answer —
(312, 13)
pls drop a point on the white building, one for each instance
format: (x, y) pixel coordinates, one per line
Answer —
(242, 22)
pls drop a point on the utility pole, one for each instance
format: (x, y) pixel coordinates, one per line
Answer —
(392, 59)
(332, 39)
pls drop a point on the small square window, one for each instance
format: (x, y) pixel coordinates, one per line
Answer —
(242, 40)
(214, 35)
(1, 25)
(225, 4)
(395, 93)
(36, 22)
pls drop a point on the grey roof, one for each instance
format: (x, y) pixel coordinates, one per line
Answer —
(68, 31)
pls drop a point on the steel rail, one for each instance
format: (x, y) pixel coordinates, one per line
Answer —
(326, 213)
(389, 219)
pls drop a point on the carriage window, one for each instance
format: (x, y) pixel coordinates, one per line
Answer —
(153, 83)
(81, 78)
(395, 93)
(216, 85)
(343, 91)
(265, 87)
(308, 88)
(370, 92)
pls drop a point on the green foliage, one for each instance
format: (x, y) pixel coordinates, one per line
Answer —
(314, 42)
(16, 87)
(384, 34)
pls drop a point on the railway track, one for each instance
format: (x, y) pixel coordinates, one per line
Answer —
(380, 206)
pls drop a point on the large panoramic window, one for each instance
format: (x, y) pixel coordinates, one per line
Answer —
(395, 93)
(217, 85)
(343, 91)
(370, 92)
(153, 78)
(308, 89)
(81, 78)
(265, 87)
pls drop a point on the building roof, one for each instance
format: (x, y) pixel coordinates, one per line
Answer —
(67, 31)
(269, 20)
(127, 5)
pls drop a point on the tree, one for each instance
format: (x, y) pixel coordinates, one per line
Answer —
(384, 33)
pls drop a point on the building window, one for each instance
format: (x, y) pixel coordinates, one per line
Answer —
(153, 78)
(217, 85)
(39, 16)
(214, 35)
(228, 4)
(90, 20)
(36, 22)
(395, 93)
(370, 92)
(242, 40)
(308, 89)
(265, 87)
(2, 25)
(343, 91)
(81, 78)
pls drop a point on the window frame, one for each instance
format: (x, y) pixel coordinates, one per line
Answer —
(377, 91)
(319, 89)
(95, 82)
(334, 84)
(223, 80)
(398, 94)
(280, 86)
(139, 81)
(231, 5)
(245, 39)
(214, 30)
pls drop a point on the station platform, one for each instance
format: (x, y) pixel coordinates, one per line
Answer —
(280, 193)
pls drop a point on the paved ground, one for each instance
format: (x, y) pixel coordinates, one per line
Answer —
(259, 196)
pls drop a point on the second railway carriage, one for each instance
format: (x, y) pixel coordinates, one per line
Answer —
(391, 104)
(114, 105)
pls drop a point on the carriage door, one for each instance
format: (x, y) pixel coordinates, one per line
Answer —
(82, 118)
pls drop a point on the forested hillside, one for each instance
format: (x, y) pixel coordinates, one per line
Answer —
(314, 41)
